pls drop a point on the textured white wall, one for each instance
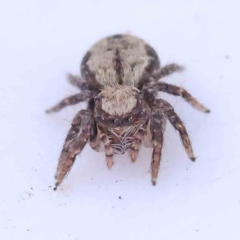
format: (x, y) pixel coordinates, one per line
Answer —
(42, 40)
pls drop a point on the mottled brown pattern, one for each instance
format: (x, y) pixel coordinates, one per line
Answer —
(75, 141)
(72, 100)
(120, 78)
(178, 91)
(157, 128)
(132, 52)
(178, 125)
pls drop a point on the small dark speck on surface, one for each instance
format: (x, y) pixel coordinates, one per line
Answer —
(196, 230)
(227, 56)
(116, 181)
(187, 169)
(120, 197)
(28, 230)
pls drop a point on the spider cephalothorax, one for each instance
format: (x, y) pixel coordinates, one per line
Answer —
(120, 76)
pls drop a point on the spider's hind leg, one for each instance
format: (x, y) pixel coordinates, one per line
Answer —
(77, 81)
(167, 70)
(161, 73)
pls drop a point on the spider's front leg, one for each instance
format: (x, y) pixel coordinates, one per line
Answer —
(178, 125)
(74, 143)
(157, 128)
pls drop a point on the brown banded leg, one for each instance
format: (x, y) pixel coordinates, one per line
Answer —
(74, 99)
(178, 91)
(134, 150)
(178, 125)
(157, 128)
(161, 73)
(108, 150)
(78, 82)
(75, 141)
(167, 70)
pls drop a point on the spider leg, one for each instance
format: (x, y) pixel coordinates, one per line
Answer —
(78, 82)
(108, 150)
(178, 125)
(167, 70)
(75, 141)
(134, 150)
(161, 73)
(178, 91)
(74, 99)
(157, 128)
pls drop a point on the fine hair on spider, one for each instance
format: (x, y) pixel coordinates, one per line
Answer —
(120, 77)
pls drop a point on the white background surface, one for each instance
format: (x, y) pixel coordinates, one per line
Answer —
(42, 40)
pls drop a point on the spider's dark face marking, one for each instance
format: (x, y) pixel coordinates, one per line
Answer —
(121, 75)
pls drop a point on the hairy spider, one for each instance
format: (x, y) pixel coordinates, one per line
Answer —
(120, 78)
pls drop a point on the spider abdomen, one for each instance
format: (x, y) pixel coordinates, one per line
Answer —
(119, 59)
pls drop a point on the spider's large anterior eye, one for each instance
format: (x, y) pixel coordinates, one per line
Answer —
(113, 121)
(130, 119)
(127, 120)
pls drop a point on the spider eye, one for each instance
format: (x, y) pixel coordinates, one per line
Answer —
(127, 121)
(113, 121)
(142, 113)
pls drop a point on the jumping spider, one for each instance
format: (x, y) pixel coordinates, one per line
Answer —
(120, 79)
